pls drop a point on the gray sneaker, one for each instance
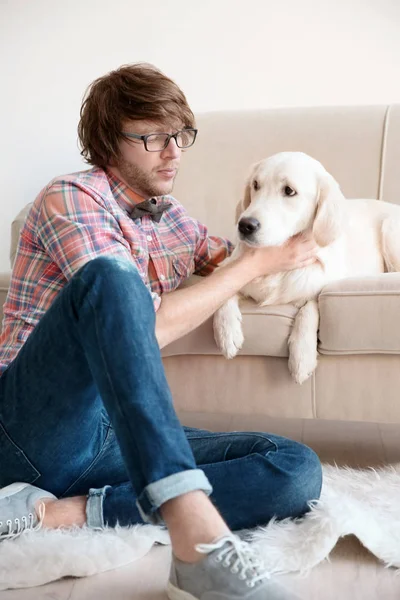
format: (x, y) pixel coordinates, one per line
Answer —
(231, 570)
(17, 509)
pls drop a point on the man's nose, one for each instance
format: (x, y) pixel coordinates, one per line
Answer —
(172, 150)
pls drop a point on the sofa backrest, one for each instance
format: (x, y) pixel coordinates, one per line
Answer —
(358, 145)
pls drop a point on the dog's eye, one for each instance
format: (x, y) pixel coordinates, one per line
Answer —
(289, 191)
(256, 185)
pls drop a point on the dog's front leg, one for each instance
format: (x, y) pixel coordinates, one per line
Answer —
(227, 323)
(303, 342)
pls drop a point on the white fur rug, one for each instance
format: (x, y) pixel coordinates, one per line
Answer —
(365, 503)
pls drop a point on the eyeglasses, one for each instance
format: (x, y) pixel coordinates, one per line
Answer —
(156, 142)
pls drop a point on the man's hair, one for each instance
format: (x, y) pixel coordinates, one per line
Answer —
(133, 92)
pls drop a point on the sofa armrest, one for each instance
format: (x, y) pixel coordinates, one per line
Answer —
(361, 315)
(5, 279)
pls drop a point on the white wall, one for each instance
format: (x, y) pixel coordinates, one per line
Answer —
(225, 54)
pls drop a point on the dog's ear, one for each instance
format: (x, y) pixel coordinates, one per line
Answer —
(245, 201)
(328, 219)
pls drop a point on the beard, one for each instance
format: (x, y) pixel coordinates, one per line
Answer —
(146, 184)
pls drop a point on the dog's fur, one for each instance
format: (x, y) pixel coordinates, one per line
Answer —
(356, 238)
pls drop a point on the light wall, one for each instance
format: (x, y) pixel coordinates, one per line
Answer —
(225, 54)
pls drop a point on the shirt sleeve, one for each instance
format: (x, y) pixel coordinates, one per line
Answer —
(210, 251)
(74, 228)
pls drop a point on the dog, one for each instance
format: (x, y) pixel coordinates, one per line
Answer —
(287, 194)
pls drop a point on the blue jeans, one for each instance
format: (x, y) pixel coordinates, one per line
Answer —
(85, 408)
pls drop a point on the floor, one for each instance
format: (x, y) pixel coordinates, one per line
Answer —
(343, 442)
(351, 571)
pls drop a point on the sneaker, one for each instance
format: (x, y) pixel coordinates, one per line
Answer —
(17, 509)
(231, 570)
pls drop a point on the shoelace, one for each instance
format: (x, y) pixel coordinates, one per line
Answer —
(241, 554)
(26, 523)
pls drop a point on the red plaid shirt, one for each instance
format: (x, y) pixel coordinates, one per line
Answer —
(84, 215)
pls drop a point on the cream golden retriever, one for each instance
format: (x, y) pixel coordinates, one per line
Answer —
(286, 194)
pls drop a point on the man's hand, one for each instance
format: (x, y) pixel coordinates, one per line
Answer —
(298, 252)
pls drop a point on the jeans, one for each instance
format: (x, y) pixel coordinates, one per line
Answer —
(85, 409)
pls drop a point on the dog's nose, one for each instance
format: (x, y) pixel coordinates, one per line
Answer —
(248, 226)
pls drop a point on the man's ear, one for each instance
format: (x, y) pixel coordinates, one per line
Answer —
(328, 221)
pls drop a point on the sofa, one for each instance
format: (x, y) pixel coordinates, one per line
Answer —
(358, 372)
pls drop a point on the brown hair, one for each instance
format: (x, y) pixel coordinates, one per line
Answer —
(133, 92)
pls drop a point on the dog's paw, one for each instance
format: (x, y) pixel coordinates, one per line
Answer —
(302, 363)
(232, 342)
(228, 332)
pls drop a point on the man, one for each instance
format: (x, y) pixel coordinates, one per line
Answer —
(85, 409)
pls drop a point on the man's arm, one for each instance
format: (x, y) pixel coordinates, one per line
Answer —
(210, 250)
(187, 308)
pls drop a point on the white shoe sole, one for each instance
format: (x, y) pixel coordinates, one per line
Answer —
(175, 593)
(12, 489)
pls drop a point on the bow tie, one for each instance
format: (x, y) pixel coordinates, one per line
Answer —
(151, 208)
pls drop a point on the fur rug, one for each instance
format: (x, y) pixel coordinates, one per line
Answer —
(365, 503)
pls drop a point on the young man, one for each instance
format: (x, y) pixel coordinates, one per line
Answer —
(85, 409)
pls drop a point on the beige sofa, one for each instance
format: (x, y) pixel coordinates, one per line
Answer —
(358, 373)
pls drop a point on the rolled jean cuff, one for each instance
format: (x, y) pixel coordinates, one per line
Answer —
(155, 494)
(94, 507)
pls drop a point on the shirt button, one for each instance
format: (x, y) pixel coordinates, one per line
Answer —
(149, 238)
(162, 277)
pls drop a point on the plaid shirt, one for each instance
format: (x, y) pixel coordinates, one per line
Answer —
(84, 215)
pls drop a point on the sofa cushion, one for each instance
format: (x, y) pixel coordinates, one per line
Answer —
(266, 331)
(357, 316)
(361, 316)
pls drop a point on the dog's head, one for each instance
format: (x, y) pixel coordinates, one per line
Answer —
(285, 194)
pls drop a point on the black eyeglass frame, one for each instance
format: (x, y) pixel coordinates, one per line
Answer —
(145, 137)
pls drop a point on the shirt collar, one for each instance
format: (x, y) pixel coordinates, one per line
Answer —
(124, 195)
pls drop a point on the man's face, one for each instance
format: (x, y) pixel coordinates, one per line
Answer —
(147, 173)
